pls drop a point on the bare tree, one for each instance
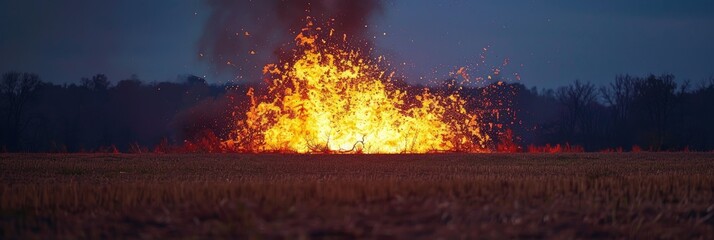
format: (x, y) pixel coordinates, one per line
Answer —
(17, 90)
(620, 95)
(576, 100)
(655, 97)
(99, 82)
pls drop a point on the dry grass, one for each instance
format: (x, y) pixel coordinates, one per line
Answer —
(584, 195)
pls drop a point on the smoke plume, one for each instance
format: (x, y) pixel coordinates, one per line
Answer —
(241, 36)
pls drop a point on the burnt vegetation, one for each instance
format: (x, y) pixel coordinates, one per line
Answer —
(651, 113)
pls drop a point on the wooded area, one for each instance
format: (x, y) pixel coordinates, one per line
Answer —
(655, 113)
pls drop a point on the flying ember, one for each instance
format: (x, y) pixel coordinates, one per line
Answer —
(328, 97)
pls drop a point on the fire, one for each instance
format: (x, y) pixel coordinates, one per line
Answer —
(330, 98)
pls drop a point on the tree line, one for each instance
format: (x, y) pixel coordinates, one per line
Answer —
(654, 113)
(95, 115)
(650, 112)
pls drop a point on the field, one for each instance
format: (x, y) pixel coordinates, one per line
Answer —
(587, 195)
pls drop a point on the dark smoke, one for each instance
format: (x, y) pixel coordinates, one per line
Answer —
(241, 36)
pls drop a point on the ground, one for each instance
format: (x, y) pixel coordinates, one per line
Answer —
(591, 195)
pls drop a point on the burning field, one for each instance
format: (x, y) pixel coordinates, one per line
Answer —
(335, 146)
(315, 122)
(329, 98)
(598, 195)
(329, 92)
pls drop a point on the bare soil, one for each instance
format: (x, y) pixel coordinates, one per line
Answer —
(586, 195)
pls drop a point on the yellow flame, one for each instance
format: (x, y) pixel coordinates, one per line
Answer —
(331, 99)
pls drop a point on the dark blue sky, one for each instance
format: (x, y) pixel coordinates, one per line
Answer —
(548, 43)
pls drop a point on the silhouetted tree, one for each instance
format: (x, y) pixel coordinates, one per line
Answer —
(17, 90)
(619, 96)
(99, 82)
(655, 100)
(577, 100)
(698, 130)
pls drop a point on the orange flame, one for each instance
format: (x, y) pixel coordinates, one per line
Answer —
(330, 98)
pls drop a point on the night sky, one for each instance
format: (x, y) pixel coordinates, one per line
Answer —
(548, 43)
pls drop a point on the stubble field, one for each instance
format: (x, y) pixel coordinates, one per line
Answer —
(588, 195)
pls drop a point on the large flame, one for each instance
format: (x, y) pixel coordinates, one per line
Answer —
(331, 98)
